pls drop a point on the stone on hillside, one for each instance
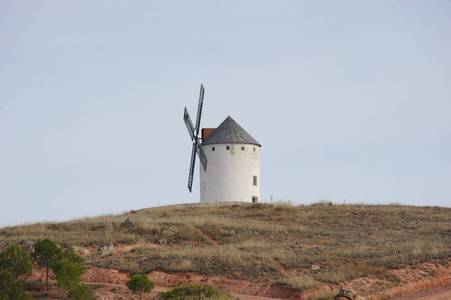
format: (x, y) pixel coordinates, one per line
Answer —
(106, 248)
(26, 245)
(247, 232)
(162, 241)
(127, 223)
(314, 267)
(4, 245)
(347, 293)
(81, 250)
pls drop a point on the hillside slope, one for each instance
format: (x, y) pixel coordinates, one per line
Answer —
(278, 249)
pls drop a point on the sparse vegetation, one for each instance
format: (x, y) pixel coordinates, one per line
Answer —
(196, 291)
(262, 242)
(300, 282)
(323, 295)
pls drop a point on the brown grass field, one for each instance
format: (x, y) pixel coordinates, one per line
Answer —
(310, 250)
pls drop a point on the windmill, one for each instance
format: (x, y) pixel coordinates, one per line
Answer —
(233, 170)
(194, 134)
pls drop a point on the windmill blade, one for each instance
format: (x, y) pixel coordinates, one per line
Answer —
(188, 123)
(199, 109)
(191, 167)
(202, 156)
(194, 133)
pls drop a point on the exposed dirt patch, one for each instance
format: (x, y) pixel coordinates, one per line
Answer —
(100, 275)
(426, 276)
(129, 248)
(441, 293)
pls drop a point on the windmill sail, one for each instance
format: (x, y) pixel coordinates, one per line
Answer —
(191, 168)
(194, 135)
(199, 108)
(202, 156)
(189, 124)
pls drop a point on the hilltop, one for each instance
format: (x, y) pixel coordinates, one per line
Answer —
(278, 250)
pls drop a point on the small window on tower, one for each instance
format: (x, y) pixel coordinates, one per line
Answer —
(227, 147)
(242, 148)
(212, 148)
(254, 149)
(255, 180)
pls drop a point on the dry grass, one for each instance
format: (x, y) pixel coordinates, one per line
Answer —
(262, 241)
(300, 282)
(323, 295)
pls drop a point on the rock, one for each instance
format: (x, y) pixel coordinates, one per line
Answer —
(4, 245)
(314, 267)
(127, 223)
(247, 232)
(347, 293)
(106, 249)
(81, 250)
(26, 245)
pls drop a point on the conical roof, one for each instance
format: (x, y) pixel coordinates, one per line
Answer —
(230, 132)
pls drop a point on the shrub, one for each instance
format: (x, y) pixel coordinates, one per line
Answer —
(140, 284)
(256, 206)
(16, 261)
(284, 207)
(323, 295)
(68, 269)
(196, 291)
(81, 292)
(336, 275)
(10, 289)
(165, 214)
(300, 282)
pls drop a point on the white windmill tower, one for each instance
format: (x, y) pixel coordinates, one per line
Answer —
(233, 170)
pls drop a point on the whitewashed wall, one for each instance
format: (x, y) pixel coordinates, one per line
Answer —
(229, 175)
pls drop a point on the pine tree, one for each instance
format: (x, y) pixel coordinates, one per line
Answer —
(45, 254)
(139, 284)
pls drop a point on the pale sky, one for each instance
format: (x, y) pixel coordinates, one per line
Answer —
(351, 100)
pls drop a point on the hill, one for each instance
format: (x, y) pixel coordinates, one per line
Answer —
(275, 250)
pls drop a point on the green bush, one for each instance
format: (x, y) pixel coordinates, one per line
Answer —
(140, 283)
(16, 261)
(81, 292)
(10, 289)
(68, 269)
(195, 292)
(15, 264)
